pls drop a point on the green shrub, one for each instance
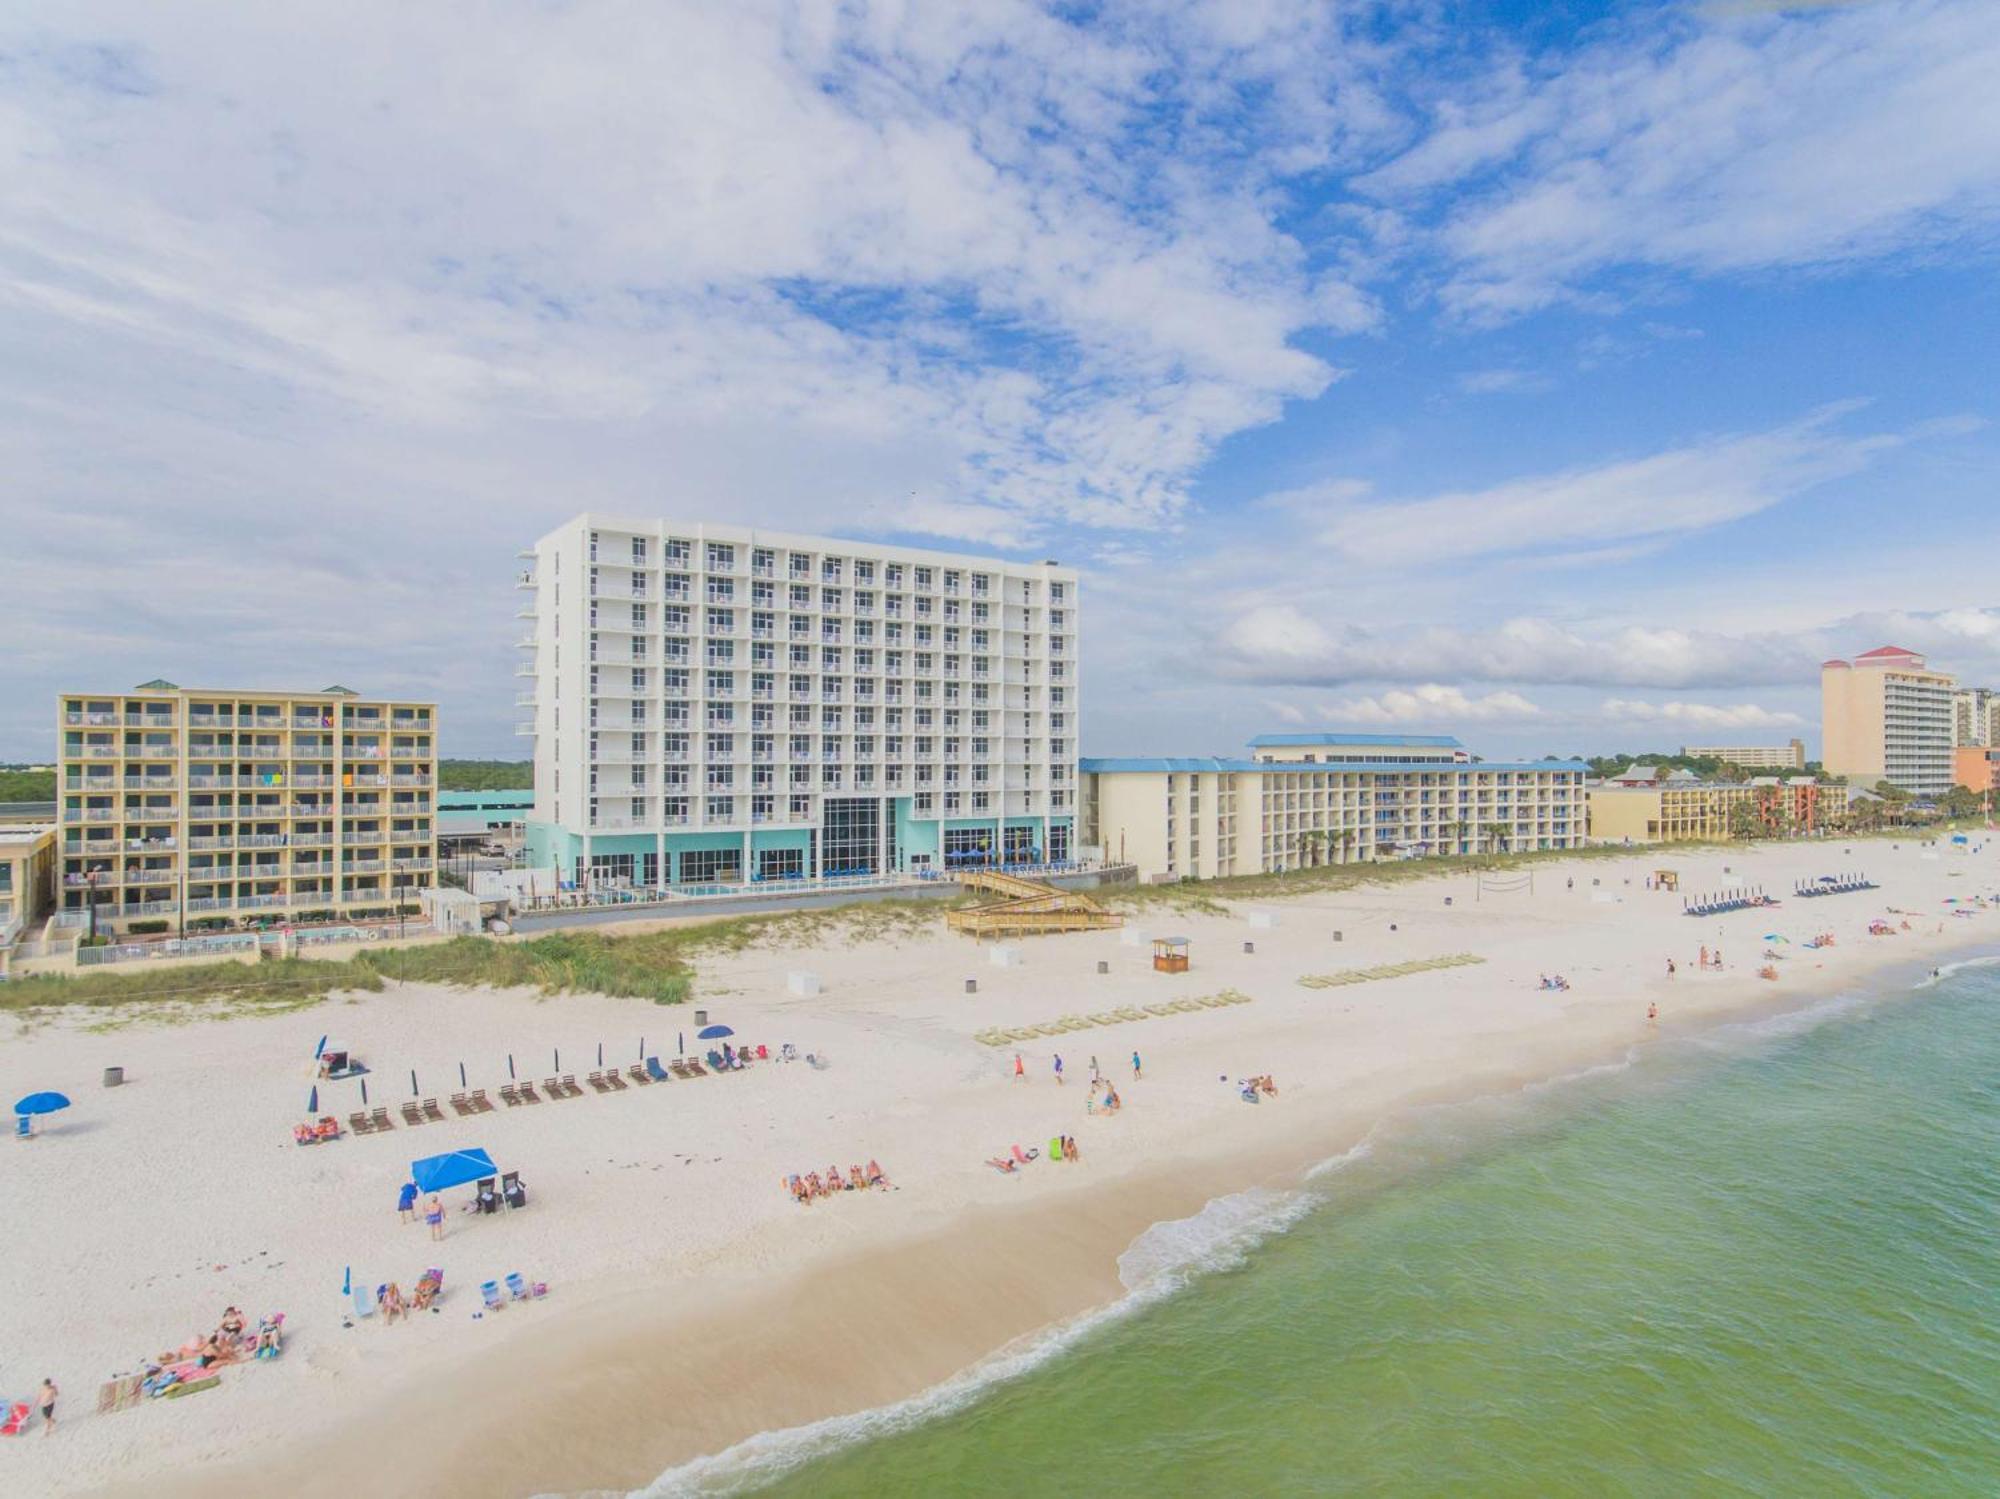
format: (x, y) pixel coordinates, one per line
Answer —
(147, 928)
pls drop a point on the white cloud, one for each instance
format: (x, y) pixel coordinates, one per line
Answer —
(1666, 494)
(1431, 704)
(1713, 143)
(1504, 381)
(1699, 715)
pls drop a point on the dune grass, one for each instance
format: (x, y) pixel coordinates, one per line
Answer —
(659, 966)
(1207, 896)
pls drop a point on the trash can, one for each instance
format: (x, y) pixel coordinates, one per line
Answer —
(700, 1018)
(1249, 947)
(113, 1076)
(1336, 936)
(1103, 966)
(972, 986)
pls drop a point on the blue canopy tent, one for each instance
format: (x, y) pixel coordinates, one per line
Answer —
(453, 1169)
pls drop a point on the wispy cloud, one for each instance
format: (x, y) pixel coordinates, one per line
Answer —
(1699, 715)
(1672, 493)
(1431, 703)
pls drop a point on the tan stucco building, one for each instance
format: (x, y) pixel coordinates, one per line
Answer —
(223, 807)
(1885, 716)
(1302, 799)
(27, 875)
(1712, 811)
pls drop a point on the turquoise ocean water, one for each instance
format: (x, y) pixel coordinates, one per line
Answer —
(1764, 1260)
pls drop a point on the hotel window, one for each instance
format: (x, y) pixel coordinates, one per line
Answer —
(721, 558)
(678, 552)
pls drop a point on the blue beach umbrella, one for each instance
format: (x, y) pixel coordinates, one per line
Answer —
(312, 1100)
(713, 1033)
(41, 1103)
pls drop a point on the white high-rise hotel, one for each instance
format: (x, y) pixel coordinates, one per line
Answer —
(714, 704)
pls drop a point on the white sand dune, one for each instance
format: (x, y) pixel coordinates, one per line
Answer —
(692, 1302)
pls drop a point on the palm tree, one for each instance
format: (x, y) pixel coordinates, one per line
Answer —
(1346, 840)
(1453, 832)
(1497, 834)
(1309, 846)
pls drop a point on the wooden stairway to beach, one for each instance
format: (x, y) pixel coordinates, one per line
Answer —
(1026, 908)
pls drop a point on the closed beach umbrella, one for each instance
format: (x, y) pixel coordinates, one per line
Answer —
(312, 1100)
(713, 1033)
(461, 1074)
(41, 1103)
(413, 1082)
(319, 1050)
(600, 1053)
(364, 1090)
(510, 1066)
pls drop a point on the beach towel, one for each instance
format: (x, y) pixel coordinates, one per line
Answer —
(1055, 1147)
(14, 1416)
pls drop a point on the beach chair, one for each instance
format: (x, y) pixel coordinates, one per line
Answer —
(680, 1070)
(517, 1287)
(597, 1083)
(484, 1197)
(460, 1105)
(569, 1085)
(715, 1061)
(554, 1087)
(379, 1120)
(489, 1291)
(526, 1093)
(508, 1096)
(412, 1114)
(359, 1124)
(763, 1053)
(481, 1104)
(14, 1416)
(658, 1073)
(432, 1111)
(695, 1069)
(512, 1192)
(639, 1075)
(613, 1081)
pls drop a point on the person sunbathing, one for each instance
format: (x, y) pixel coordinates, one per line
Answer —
(1267, 1085)
(813, 1182)
(875, 1176)
(834, 1180)
(231, 1325)
(798, 1190)
(855, 1180)
(1002, 1164)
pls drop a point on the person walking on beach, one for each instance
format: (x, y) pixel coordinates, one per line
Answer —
(45, 1397)
(1135, 1064)
(1704, 955)
(1058, 1069)
(434, 1216)
(1653, 1010)
(1094, 1073)
(406, 1203)
(1670, 967)
(1020, 1069)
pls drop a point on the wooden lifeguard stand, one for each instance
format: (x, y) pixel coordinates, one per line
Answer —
(1667, 879)
(1170, 955)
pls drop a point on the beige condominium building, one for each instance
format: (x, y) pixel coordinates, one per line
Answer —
(1885, 716)
(1790, 756)
(1304, 799)
(1975, 717)
(210, 807)
(1681, 808)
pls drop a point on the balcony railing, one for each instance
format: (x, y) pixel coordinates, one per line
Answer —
(91, 720)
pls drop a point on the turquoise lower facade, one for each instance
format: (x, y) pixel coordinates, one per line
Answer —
(718, 855)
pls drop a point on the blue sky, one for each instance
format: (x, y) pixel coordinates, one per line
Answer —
(1568, 377)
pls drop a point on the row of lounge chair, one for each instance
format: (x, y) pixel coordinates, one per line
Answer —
(608, 1081)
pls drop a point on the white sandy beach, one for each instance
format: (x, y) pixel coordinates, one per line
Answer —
(692, 1302)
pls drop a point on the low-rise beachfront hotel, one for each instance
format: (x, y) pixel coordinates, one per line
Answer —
(27, 875)
(210, 807)
(1886, 716)
(1304, 799)
(714, 705)
(1788, 756)
(1645, 806)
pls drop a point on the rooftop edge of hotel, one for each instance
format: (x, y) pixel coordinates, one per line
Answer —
(161, 685)
(790, 540)
(1201, 765)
